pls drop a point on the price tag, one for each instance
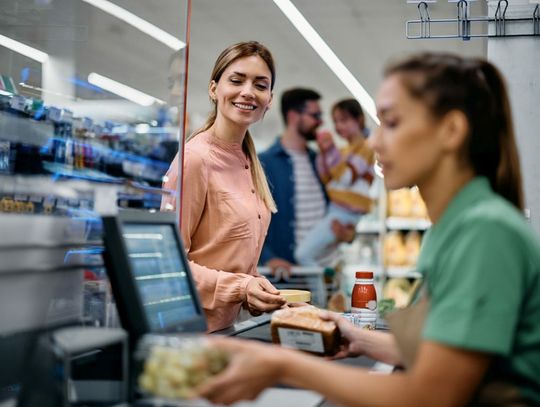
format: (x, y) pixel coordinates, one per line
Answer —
(299, 339)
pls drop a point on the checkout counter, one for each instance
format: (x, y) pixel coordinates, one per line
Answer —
(48, 355)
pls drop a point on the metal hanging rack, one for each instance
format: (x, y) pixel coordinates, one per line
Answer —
(464, 21)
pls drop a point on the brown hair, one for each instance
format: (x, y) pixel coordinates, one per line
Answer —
(448, 82)
(226, 58)
(352, 108)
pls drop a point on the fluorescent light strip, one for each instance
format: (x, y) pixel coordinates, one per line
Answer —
(137, 22)
(23, 49)
(122, 90)
(328, 56)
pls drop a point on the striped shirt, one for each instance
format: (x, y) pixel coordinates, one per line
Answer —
(310, 203)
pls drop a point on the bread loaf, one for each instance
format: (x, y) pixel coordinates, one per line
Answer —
(302, 328)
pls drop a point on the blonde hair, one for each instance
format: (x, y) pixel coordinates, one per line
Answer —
(226, 58)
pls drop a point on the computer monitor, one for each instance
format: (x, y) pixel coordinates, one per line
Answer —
(150, 275)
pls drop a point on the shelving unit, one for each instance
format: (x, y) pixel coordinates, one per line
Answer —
(372, 231)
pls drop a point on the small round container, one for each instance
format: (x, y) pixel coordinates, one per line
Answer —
(173, 366)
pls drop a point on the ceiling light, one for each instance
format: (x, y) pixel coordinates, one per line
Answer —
(328, 56)
(120, 89)
(23, 49)
(137, 22)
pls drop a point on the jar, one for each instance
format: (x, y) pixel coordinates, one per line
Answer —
(364, 300)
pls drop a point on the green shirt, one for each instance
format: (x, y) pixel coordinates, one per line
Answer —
(481, 263)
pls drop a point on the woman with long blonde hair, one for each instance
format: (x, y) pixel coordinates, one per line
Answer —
(226, 201)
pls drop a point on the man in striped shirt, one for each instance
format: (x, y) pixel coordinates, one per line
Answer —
(290, 168)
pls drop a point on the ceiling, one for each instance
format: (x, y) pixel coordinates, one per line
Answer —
(364, 34)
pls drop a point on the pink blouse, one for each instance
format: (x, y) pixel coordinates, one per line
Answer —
(223, 225)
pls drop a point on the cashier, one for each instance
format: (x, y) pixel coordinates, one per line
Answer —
(226, 201)
(472, 337)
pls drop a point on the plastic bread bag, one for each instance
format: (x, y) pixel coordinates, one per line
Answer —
(174, 366)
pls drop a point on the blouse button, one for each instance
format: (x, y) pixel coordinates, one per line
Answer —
(246, 167)
(259, 215)
(252, 191)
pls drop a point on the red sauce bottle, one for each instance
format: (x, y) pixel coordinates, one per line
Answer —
(364, 299)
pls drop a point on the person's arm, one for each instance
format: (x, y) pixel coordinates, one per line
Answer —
(443, 376)
(329, 156)
(377, 345)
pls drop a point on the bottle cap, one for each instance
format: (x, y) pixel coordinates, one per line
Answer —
(364, 274)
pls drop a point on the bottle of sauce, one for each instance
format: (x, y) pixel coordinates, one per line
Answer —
(364, 300)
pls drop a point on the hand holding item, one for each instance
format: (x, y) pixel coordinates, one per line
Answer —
(262, 296)
(325, 141)
(351, 335)
(252, 368)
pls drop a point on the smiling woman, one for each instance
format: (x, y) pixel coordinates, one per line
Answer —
(226, 202)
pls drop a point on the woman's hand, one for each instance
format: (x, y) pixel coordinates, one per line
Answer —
(353, 337)
(262, 296)
(252, 368)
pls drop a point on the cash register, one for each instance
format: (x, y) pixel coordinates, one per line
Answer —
(149, 274)
(155, 292)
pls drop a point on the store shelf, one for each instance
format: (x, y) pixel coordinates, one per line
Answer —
(24, 130)
(369, 227)
(88, 174)
(402, 272)
(395, 223)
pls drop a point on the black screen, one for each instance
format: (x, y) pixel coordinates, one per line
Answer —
(160, 275)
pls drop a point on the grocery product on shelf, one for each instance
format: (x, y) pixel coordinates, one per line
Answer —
(394, 249)
(396, 239)
(40, 140)
(412, 247)
(399, 203)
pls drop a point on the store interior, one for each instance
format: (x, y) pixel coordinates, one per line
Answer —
(96, 98)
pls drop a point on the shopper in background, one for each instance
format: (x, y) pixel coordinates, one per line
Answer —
(347, 174)
(473, 332)
(290, 167)
(226, 202)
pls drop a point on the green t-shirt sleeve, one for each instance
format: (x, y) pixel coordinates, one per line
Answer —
(476, 289)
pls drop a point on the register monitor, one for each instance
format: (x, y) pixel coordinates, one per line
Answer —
(149, 274)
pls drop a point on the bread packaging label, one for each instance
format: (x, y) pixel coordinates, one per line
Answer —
(302, 328)
(303, 340)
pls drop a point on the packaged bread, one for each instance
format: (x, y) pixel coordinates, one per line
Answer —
(418, 207)
(399, 203)
(302, 328)
(399, 290)
(394, 249)
(412, 247)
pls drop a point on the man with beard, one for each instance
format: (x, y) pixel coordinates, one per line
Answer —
(300, 197)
